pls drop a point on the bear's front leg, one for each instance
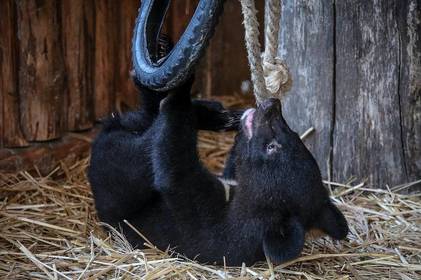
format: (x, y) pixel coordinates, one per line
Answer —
(188, 188)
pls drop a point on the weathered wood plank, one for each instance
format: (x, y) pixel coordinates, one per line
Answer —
(126, 93)
(105, 56)
(78, 27)
(41, 69)
(368, 132)
(10, 132)
(409, 27)
(307, 47)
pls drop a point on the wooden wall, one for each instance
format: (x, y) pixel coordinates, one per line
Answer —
(65, 64)
(355, 67)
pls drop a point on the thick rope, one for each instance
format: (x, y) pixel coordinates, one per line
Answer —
(273, 73)
(272, 19)
(251, 26)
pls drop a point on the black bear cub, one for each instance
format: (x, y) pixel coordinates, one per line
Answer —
(145, 168)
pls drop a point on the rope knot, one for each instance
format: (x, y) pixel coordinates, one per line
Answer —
(276, 76)
(269, 74)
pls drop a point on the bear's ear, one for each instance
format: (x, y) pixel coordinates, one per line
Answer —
(332, 222)
(280, 247)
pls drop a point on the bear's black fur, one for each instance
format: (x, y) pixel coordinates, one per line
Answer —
(145, 168)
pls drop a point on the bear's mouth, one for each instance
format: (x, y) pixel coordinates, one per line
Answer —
(247, 121)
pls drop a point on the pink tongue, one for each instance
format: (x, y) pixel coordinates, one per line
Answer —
(248, 123)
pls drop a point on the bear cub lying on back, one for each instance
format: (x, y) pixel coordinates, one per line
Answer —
(145, 168)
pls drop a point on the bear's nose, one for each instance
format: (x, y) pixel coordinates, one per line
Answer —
(271, 104)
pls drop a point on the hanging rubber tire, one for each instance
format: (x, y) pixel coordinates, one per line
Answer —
(173, 69)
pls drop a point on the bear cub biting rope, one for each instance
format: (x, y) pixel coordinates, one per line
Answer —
(145, 169)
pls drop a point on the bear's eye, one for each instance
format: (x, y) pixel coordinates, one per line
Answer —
(272, 147)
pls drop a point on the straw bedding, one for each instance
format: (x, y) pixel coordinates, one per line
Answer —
(49, 230)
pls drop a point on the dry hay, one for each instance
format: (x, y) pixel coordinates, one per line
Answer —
(49, 231)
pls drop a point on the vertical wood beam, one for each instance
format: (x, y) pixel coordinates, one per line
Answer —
(105, 56)
(408, 14)
(78, 21)
(41, 69)
(368, 131)
(10, 132)
(126, 93)
(307, 47)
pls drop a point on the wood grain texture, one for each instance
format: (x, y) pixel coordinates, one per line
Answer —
(306, 44)
(368, 132)
(10, 132)
(408, 14)
(41, 69)
(78, 23)
(106, 26)
(355, 65)
(126, 93)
